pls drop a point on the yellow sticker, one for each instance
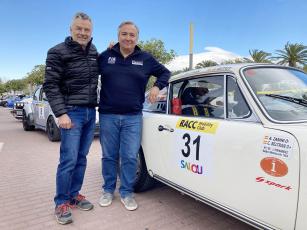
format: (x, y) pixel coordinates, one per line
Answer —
(199, 126)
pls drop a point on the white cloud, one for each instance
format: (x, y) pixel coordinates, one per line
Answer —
(211, 53)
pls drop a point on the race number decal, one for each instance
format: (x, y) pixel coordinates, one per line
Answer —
(194, 143)
(41, 113)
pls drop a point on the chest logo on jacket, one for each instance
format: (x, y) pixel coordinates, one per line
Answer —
(111, 60)
(137, 62)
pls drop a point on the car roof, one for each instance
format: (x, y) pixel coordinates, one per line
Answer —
(220, 69)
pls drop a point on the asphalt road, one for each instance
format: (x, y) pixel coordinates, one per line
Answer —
(27, 185)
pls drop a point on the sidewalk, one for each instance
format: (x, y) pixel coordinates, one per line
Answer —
(27, 168)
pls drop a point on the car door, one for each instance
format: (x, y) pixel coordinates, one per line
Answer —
(223, 154)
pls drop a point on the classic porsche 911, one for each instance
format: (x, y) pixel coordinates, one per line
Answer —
(233, 137)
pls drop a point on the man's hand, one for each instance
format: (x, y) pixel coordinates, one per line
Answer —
(111, 44)
(153, 94)
(64, 121)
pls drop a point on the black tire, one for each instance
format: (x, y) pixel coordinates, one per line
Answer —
(53, 130)
(26, 122)
(143, 181)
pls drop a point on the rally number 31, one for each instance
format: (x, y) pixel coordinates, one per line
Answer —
(187, 151)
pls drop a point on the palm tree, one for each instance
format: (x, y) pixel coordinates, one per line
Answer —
(259, 56)
(180, 71)
(204, 64)
(292, 54)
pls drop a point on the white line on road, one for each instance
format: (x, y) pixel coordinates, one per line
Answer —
(1, 146)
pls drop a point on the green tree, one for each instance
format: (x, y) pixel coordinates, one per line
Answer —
(36, 76)
(305, 68)
(292, 54)
(2, 88)
(259, 56)
(204, 64)
(15, 85)
(156, 48)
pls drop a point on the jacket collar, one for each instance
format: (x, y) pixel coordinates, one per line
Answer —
(75, 46)
(116, 48)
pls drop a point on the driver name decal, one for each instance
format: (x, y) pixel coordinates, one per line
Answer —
(277, 146)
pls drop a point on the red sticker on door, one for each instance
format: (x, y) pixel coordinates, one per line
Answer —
(274, 167)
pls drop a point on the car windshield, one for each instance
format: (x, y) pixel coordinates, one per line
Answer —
(281, 91)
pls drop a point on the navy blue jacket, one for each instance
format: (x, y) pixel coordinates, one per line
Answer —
(124, 80)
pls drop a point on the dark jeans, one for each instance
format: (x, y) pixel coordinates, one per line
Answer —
(120, 138)
(75, 144)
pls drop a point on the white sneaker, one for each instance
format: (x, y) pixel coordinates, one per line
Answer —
(106, 199)
(129, 203)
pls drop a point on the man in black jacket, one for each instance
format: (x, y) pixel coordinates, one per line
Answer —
(125, 71)
(71, 87)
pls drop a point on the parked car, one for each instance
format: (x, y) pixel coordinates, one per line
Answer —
(38, 115)
(3, 101)
(10, 100)
(18, 107)
(233, 137)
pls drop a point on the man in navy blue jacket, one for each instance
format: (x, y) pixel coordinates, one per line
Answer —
(125, 70)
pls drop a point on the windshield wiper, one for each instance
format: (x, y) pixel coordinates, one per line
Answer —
(287, 98)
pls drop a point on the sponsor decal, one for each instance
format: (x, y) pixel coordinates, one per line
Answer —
(194, 168)
(134, 62)
(273, 184)
(274, 167)
(277, 146)
(199, 126)
(111, 60)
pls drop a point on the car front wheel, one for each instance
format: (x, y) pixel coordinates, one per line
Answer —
(53, 130)
(26, 122)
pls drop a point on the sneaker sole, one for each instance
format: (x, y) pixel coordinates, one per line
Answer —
(130, 209)
(105, 205)
(63, 222)
(84, 209)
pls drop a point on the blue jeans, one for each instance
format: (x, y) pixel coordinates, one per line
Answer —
(120, 138)
(75, 144)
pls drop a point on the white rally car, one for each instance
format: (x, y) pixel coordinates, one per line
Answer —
(38, 115)
(233, 137)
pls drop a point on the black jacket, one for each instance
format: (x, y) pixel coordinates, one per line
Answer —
(71, 76)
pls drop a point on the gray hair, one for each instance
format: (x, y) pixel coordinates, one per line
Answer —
(128, 23)
(82, 16)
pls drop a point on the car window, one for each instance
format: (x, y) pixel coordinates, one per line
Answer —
(281, 92)
(160, 105)
(42, 96)
(36, 94)
(236, 104)
(202, 97)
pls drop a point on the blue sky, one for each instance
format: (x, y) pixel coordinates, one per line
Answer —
(29, 28)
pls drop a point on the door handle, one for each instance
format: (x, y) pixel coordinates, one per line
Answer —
(161, 128)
